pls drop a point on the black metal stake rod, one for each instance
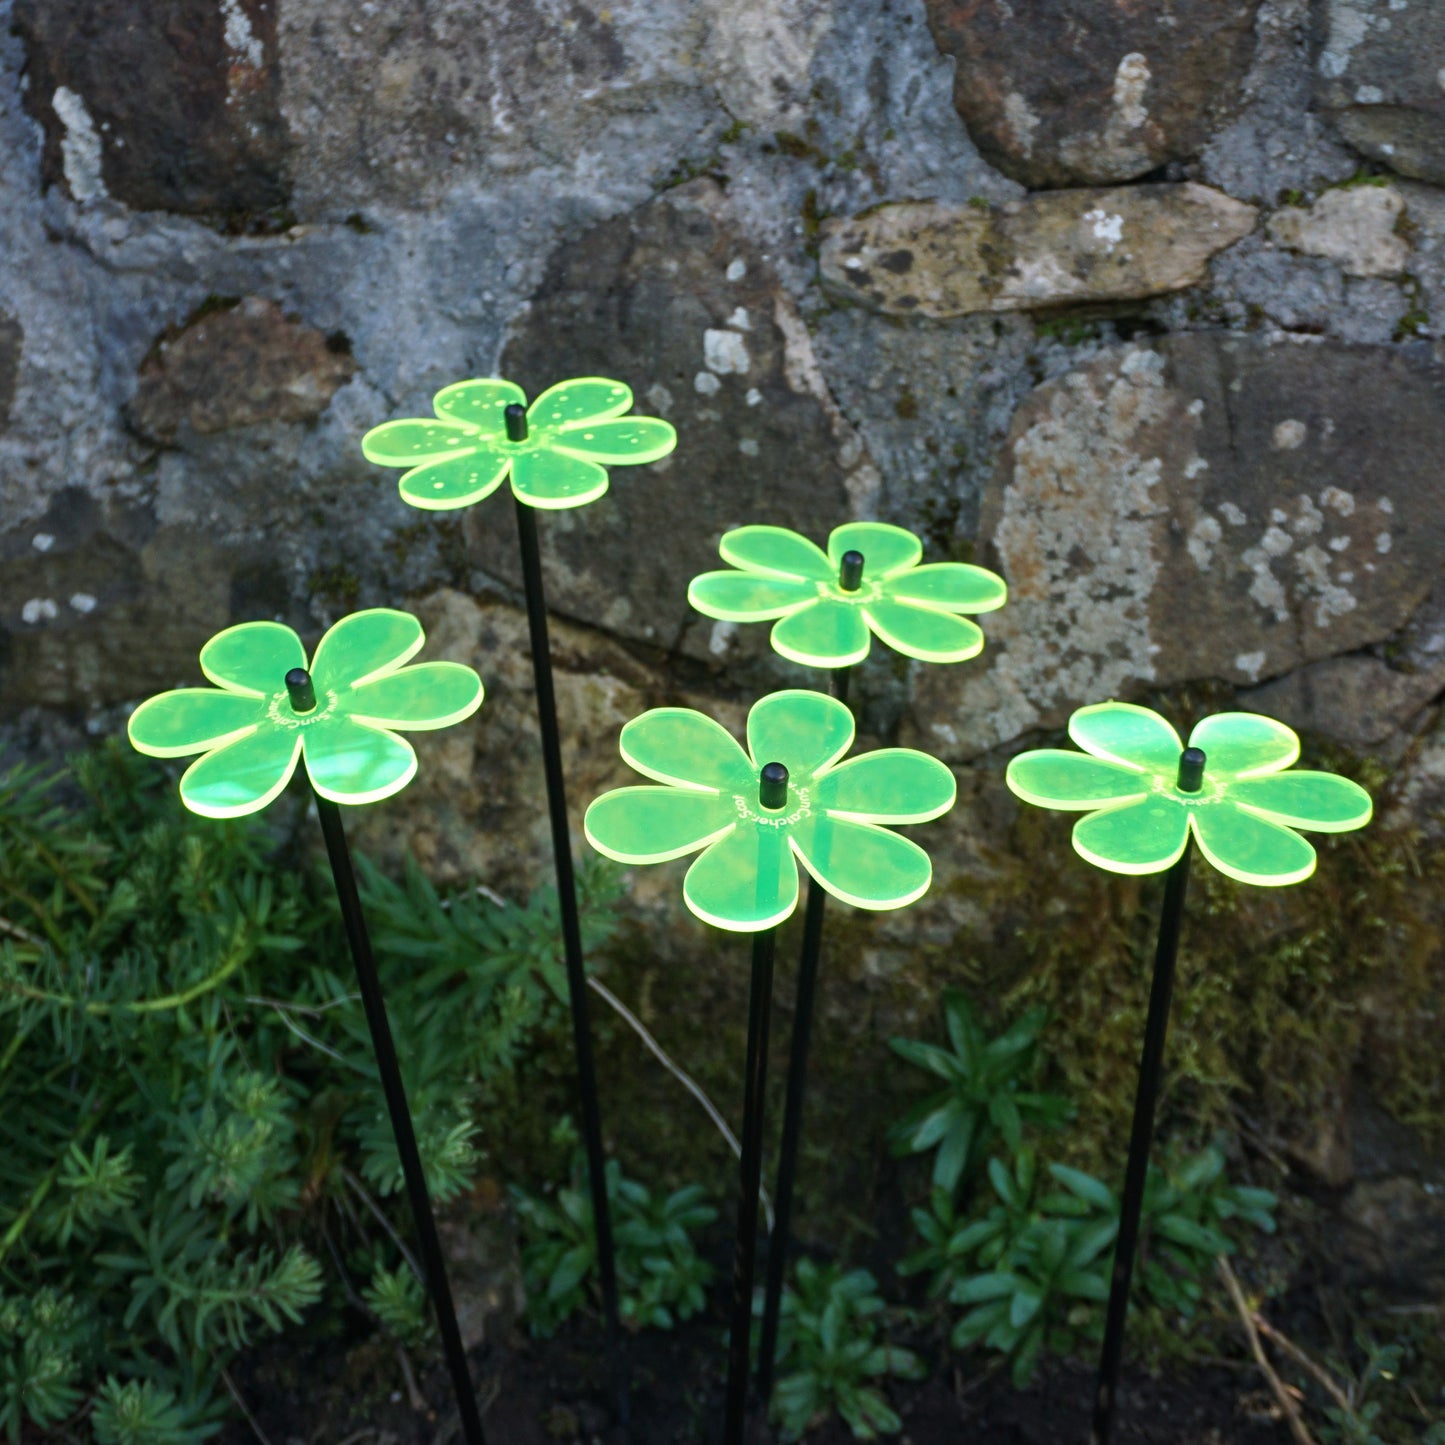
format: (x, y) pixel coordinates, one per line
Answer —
(303, 699)
(780, 1238)
(1151, 1070)
(772, 794)
(516, 420)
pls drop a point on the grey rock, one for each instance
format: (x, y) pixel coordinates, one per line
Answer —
(1213, 507)
(1080, 92)
(12, 339)
(922, 258)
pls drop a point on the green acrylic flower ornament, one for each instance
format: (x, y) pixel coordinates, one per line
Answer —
(826, 604)
(557, 450)
(824, 812)
(256, 723)
(1243, 814)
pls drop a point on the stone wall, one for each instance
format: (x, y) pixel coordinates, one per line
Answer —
(1137, 303)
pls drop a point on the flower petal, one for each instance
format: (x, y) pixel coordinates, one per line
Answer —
(423, 696)
(363, 647)
(652, 825)
(253, 657)
(746, 882)
(866, 866)
(1121, 732)
(455, 481)
(1304, 799)
(746, 597)
(950, 586)
(886, 550)
(627, 439)
(480, 404)
(584, 398)
(551, 481)
(1249, 848)
(1143, 837)
(924, 632)
(243, 776)
(349, 763)
(805, 731)
(192, 720)
(893, 785)
(681, 746)
(1244, 745)
(413, 441)
(776, 552)
(827, 634)
(1058, 778)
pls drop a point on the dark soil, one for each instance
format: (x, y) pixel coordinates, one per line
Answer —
(540, 1392)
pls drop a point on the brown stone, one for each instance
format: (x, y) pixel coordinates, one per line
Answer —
(1216, 507)
(676, 302)
(168, 107)
(1087, 92)
(921, 258)
(235, 366)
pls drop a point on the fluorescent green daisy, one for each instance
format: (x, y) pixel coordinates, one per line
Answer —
(252, 733)
(828, 816)
(868, 581)
(1243, 816)
(557, 450)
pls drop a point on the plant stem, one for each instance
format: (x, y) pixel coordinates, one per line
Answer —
(750, 1178)
(803, 1004)
(390, 1070)
(1146, 1098)
(572, 944)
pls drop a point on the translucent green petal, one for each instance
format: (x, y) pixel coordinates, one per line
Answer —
(243, 776)
(585, 398)
(893, 785)
(1250, 848)
(886, 550)
(1144, 837)
(866, 866)
(552, 482)
(423, 696)
(628, 439)
(365, 646)
(349, 763)
(1122, 732)
(679, 745)
(1055, 778)
(924, 632)
(479, 404)
(746, 882)
(408, 443)
(805, 731)
(1244, 744)
(1304, 799)
(746, 597)
(827, 634)
(776, 552)
(456, 481)
(192, 720)
(652, 825)
(253, 657)
(951, 586)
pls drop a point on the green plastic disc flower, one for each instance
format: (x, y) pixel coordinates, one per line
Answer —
(1243, 816)
(252, 735)
(746, 878)
(822, 620)
(557, 450)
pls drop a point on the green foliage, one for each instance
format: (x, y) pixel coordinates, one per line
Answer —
(830, 1357)
(660, 1277)
(981, 1095)
(187, 1084)
(398, 1300)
